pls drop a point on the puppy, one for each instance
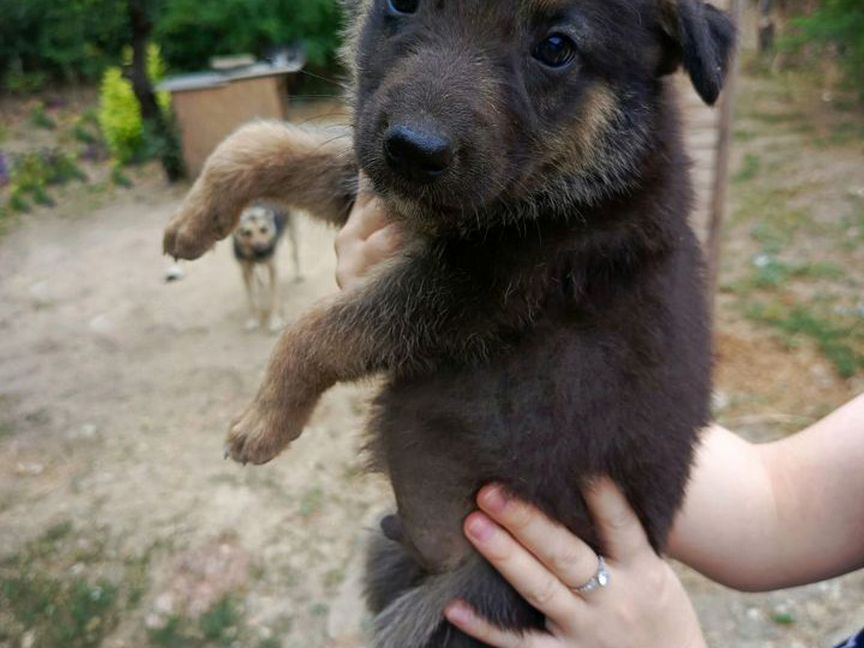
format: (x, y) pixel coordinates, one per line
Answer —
(256, 240)
(547, 325)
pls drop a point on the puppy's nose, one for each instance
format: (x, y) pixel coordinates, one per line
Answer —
(418, 155)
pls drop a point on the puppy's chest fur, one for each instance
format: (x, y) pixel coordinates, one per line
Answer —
(601, 367)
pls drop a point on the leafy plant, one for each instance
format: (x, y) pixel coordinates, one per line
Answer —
(120, 114)
(33, 173)
(839, 23)
(40, 119)
(192, 31)
(73, 40)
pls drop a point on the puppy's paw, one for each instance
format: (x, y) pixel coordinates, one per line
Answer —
(261, 434)
(182, 241)
(196, 228)
(251, 324)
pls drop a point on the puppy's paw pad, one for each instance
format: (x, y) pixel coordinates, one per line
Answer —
(251, 440)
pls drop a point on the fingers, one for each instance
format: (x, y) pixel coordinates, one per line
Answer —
(537, 585)
(367, 217)
(464, 618)
(565, 555)
(367, 239)
(617, 523)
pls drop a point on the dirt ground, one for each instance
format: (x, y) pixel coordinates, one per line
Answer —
(121, 525)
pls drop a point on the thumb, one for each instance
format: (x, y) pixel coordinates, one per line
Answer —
(618, 525)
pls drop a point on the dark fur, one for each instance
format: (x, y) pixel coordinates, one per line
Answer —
(550, 324)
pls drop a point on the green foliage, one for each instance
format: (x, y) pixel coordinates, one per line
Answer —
(68, 40)
(120, 113)
(191, 31)
(840, 339)
(40, 119)
(839, 23)
(40, 598)
(219, 626)
(33, 174)
(43, 41)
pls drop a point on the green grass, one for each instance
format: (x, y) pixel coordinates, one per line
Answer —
(774, 273)
(311, 503)
(750, 168)
(839, 338)
(43, 598)
(219, 626)
(40, 119)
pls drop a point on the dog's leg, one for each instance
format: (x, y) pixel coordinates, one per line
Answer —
(311, 170)
(401, 320)
(273, 316)
(254, 321)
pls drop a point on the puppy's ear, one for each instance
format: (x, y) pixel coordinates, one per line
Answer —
(702, 39)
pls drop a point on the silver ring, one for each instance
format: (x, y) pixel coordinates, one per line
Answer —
(598, 580)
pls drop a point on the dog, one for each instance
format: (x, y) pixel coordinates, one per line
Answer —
(547, 325)
(256, 240)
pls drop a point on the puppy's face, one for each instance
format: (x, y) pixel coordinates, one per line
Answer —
(256, 232)
(462, 105)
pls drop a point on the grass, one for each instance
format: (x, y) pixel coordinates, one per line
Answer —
(311, 503)
(749, 169)
(56, 592)
(839, 338)
(40, 119)
(219, 626)
(802, 248)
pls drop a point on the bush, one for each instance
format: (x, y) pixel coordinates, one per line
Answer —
(32, 175)
(59, 40)
(120, 112)
(839, 23)
(191, 31)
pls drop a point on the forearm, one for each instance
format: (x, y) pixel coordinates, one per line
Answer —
(760, 517)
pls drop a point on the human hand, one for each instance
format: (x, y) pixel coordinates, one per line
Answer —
(644, 603)
(366, 240)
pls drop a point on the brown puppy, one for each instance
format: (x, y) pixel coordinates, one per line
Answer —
(548, 324)
(256, 240)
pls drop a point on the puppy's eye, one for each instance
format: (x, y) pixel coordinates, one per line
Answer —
(556, 51)
(403, 6)
(247, 233)
(263, 230)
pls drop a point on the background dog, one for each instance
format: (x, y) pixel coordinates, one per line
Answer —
(548, 323)
(256, 241)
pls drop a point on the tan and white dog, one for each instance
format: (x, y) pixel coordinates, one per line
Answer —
(256, 240)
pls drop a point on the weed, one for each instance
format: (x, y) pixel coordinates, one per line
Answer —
(749, 169)
(44, 598)
(841, 342)
(119, 178)
(220, 623)
(40, 119)
(311, 503)
(219, 626)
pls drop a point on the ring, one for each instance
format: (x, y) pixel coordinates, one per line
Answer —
(598, 580)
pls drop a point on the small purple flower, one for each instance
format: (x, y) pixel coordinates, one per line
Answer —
(4, 170)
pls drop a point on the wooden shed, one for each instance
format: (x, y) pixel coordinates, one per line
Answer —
(211, 105)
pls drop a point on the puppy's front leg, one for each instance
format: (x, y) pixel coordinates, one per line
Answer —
(413, 314)
(313, 170)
